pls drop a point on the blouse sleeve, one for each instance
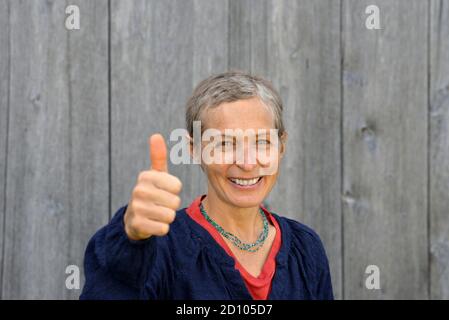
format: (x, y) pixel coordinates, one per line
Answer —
(324, 285)
(116, 267)
(309, 246)
(323, 276)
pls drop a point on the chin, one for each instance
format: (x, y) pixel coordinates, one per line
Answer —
(245, 200)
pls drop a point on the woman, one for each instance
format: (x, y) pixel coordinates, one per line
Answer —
(225, 245)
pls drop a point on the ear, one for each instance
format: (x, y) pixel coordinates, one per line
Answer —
(191, 148)
(190, 144)
(283, 141)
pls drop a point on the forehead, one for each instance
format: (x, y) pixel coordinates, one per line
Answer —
(241, 114)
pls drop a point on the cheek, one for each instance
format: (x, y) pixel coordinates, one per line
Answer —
(215, 171)
(272, 179)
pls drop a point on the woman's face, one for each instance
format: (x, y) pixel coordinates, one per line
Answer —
(247, 176)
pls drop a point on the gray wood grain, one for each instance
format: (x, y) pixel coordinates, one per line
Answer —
(439, 149)
(4, 107)
(160, 51)
(57, 191)
(295, 44)
(385, 149)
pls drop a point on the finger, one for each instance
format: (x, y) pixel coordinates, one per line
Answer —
(168, 183)
(165, 199)
(161, 180)
(158, 152)
(151, 227)
(161, 214)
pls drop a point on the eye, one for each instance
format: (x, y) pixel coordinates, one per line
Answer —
(227, 143)
(263, 142)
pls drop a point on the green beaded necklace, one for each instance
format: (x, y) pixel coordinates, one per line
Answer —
(250, 247)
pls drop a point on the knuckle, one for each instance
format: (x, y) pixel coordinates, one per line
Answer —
(146, 176)
(177, 185)
(171, 214)
(165, 228)
(138, 192)
(161, 229)
(176, 201)
(135, 208)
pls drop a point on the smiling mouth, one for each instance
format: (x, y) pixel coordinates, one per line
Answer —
(245, 182)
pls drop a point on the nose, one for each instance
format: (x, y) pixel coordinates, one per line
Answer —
(247, 161)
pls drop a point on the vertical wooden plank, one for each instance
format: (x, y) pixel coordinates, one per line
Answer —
(57, 192)
(295, 44)
(439, 149)
(240, 22)
(385, 149)
(160, 51)
(87, 73)
(210, 56)
(4, 109)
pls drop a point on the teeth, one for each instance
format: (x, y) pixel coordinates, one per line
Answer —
(245, 182)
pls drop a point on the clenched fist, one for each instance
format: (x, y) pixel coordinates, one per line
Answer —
(154, 199)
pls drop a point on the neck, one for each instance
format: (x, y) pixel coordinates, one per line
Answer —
(245, 223)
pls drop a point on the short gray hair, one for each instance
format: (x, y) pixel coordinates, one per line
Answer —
(231, 86)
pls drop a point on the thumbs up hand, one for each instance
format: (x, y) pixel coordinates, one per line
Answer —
(154, 199)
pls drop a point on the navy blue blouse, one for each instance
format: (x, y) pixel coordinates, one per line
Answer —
(188, 263)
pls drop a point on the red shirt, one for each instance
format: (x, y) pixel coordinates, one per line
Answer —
(259, 287)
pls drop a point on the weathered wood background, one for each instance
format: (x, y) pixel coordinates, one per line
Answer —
(367, 112)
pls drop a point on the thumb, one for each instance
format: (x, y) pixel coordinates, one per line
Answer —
(158, 152)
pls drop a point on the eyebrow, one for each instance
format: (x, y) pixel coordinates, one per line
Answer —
(265, 136)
